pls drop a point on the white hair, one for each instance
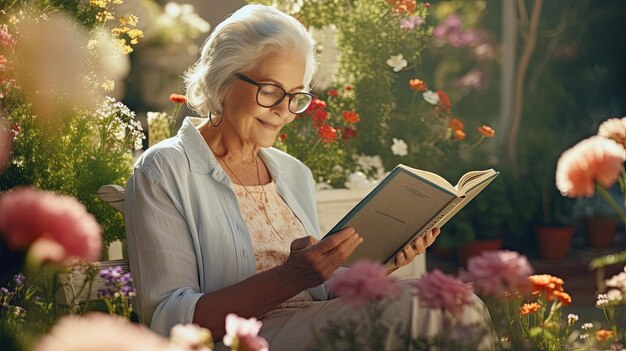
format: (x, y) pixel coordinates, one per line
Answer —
(239, 44)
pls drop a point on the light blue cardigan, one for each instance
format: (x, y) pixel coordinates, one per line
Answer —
(185, 233)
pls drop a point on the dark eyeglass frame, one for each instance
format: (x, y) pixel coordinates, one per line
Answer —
(260, 86)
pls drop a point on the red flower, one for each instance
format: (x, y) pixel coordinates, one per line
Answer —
(177, 98)
(320, 115)
(333, 93)
(418, 84)
(327, 133)
(348, 133)
(487, 131)
(427, 4)
(456, 124)
(283, 136)
(315, 104)
(350, 116)
(444, 101)
(348, 87)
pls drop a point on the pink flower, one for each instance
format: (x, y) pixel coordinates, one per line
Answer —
(27, 215)
(438, 290)
(495, 273)
(593, 159)
(99, 332)
(364, 281)
(614, 128)
(242, 334)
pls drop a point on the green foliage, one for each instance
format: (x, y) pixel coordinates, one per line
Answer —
(75, 156)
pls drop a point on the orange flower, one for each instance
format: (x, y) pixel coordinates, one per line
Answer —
(563, 297)
(348, 87)
(177, 98)
(444, 101)
(459, 135)
(456, 124)
(418, 84)
(551, 286)
(400, 6)
(604, 334)
(350, 116)
(529, 308)
(487, 131)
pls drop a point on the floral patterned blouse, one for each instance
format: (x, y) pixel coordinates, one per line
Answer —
(273, 233)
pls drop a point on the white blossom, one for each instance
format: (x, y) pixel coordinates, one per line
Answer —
(431, 97)
(399, 147)
(397, 62)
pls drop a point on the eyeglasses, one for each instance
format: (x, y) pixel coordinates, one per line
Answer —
(270, 95)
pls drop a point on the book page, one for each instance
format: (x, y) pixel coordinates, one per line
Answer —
(472, 179)
(393, 213)
(431, 177)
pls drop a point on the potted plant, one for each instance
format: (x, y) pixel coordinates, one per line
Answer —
(600, 220)
(554, 236)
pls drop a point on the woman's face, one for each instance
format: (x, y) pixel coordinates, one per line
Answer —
(256, 124)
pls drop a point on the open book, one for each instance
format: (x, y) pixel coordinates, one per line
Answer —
(406, 205)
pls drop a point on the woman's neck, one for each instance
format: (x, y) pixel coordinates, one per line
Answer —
(228, 145)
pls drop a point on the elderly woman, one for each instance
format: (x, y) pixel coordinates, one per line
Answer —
(220, 222)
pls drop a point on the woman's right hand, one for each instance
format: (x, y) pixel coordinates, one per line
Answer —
(311, 262)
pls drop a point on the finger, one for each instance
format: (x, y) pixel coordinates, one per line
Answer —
(401, 259)
(301, 243)
(420, 246)
(436, 232)
(342, 251)
(336, 239)
(339, 254)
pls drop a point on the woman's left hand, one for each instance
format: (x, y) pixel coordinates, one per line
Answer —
(418, 247)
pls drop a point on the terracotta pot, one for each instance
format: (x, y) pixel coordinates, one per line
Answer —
(554, 241)
(600, 231)
(475, 248)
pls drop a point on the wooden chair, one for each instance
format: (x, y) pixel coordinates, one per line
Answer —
(75, 288)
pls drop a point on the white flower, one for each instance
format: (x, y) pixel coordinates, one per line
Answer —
(617, 281)
(614, 295)
(572, 318)
(602, 300)
(399, 147)
(358, 180)
(396, 62)
(587, 326)
(431, 97)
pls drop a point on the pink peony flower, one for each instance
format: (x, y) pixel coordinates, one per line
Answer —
(190, 337)
(438, 290)
(99, 332)
(614, 128)
(27, 214)
(242, 334)
(593, 159)
(495, 273)
(364, 281)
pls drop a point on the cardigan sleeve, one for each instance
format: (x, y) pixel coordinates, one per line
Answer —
(161, 254)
